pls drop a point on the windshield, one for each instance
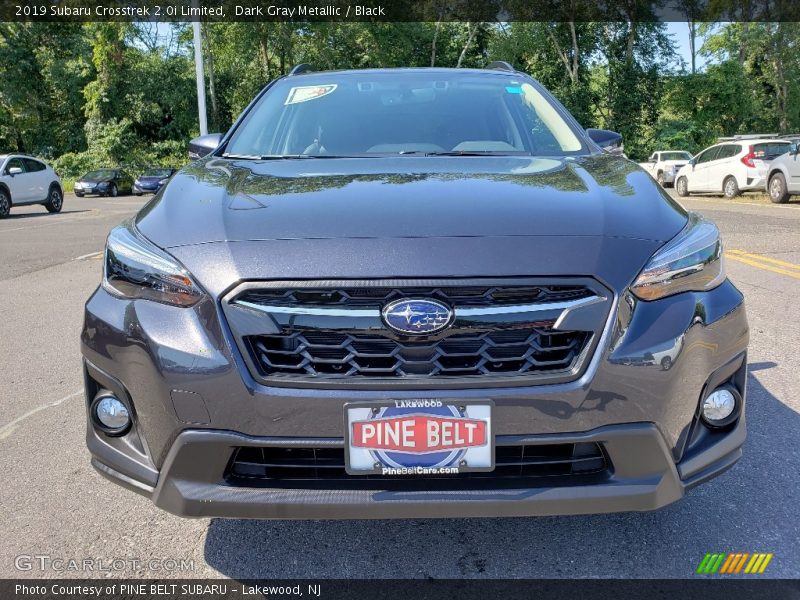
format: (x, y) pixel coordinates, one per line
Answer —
(676, 156)
(157, 173)
(403, 112)
(100, 174)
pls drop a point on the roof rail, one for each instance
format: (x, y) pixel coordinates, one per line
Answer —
(302, 68)
(502, 65)
(748, 136)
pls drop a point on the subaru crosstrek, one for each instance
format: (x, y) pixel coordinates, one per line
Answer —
(413, 293)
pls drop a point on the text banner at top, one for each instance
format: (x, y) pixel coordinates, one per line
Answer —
(399, 10)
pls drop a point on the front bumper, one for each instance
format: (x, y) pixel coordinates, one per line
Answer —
(193, 402)
(670, 175)
(645, 478)
(141, 189)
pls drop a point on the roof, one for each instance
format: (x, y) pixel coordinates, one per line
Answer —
(753, 140)
(443, 70)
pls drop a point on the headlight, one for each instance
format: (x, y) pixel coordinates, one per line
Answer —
(163, 181)
(135, 268)
(691, 262)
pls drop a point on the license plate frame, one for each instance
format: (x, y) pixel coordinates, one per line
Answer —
(482, 456)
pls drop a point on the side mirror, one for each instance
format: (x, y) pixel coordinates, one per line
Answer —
(795, 149)
(14, 171)
(205, 144)
(610, 141)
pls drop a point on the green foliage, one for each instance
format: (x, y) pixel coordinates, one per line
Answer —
(100, 94)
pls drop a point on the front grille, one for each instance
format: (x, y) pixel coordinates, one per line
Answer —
(498, 352)
(515, 465)
(331, 333)
(368, 296)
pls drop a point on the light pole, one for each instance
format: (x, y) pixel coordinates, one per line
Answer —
(199, 73)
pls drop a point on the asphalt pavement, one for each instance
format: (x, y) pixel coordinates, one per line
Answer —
(55, 506)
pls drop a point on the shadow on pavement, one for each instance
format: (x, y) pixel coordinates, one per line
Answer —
(16, 215)
(751, 508)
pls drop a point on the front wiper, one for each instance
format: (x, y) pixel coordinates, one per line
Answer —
(305, 156)
(477, 153)
(240, 156)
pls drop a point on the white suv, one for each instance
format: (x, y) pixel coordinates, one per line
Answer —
(730, 167)
(27, 180)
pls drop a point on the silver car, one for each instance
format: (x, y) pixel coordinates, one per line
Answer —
(783, 178)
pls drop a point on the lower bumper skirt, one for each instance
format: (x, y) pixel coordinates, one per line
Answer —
(644, 478)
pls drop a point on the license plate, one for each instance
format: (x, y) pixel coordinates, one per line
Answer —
(418, 437)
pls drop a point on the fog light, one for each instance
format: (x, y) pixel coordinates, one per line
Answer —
(721, 407)
(111, 415)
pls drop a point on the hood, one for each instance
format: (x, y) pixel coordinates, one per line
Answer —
(150, 178)
(220, 200)
(94, 179)
(677, 163)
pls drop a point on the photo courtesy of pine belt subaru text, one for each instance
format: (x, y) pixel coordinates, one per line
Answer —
(412, 293)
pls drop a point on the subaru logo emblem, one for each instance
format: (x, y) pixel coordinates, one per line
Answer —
(417, 317)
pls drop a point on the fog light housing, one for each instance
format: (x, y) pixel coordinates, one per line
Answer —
(721, 407)
(110, 414)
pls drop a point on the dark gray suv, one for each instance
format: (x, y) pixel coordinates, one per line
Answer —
(413, 293)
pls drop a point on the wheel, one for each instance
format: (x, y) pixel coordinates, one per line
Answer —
(777, 189)
(55, 200)
(666, 363)
(682, 187)
(138, 193)
(660, 178)
(113, 191)
(79, 195)
(730, 188)
(5, 204)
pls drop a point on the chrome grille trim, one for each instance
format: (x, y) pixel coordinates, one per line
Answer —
(280, 311)
(459, 312)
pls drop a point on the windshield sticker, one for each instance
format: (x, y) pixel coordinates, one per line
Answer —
(305, 93)
(513, 89)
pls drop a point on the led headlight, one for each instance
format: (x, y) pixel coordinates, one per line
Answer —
(136, 268)
(691, 262)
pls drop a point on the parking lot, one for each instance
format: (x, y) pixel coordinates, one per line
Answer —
(56, 505)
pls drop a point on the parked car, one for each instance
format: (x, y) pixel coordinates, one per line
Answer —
(731, 167)
(104, 182)
(151, 181)
(783, 177)
(28, 180)
(412, 293)
(664, 164)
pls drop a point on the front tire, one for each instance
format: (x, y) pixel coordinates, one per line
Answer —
(777, 189)
(113, 192)
(55, 200)
(660, 178)
(5, 204)
(730, 188)
(682, 187)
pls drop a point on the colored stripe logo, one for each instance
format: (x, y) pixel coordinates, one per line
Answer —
(734, 563)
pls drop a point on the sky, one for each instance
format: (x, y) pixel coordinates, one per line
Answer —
(680, 33)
